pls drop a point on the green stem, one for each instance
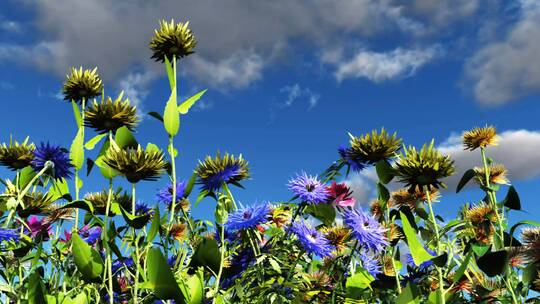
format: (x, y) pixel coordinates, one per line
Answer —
(438, 243)
(83, 103)
(493, 200)
(222, 257)
(136, 240)
(173, 173)
(396, 273)
(109, 254)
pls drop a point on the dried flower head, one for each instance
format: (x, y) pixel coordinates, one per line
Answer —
(497, 175)
(213, 172)
(337, 236)
(109, 115)
(16, 156)
(530, 238)
(57, 213)
(178, 231)
(482, 217)
(280, 215)
(172, 40)
(135, 164)
(404, 197)
(82, 84)
(424, 168)
(480, 138)
(371, 148)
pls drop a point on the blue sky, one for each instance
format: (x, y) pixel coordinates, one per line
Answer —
(288, 79)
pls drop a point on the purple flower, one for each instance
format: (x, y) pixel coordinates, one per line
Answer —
(142, 209)
(57, 155)
(39, 227)
(311, 240)
(308, 188)
(370, 263)
(366, 229)
(348, 158)
(165, 195)
(122, 262)
(9, 235)
(247, 217)
(90, 235)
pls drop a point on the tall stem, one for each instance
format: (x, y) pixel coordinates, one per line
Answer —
(222, 257)
(438, 242)
(392, 252)
(76, 225)
(109, 254)
(173, 176)
(136, 241)
(493, 200)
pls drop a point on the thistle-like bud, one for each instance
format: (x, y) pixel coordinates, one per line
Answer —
(15, 155)
(135, 164)
(111, 115)
(82, 84)
(172, 40)
(480, 138)
(373, 147)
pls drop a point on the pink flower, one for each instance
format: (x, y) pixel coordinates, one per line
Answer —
(39, 227)
(340, 195)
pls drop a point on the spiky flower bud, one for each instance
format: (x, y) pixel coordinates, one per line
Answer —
(82, 84)
(15, 155)
(111, 115)
(373, 147)
(135, 164)
(480, 138)
(172, 40)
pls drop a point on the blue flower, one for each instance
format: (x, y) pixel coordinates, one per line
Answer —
(165, 195)
(142, 209)
(240, 261)
(370, 263)
(55, 154)
(308, 188)
(90, 235)
(212, 173)
(122, 262)
(9, 235)
(247, 217)
(366, 229)
(348, 158)
(311, 240)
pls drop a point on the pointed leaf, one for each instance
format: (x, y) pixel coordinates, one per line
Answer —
(462, 268)
(91, 144)
(512, 200)
(493, 263)
(135, 221)
(467, 176)
(186, 105)
(160, 277)
(124, 138)
(171, 117)
(385, 172)
(196, 287)
(156, 115)
(170, 73)
(77, 114)
(80, 204)
(418, 252)
(323, 212)
(76, 153)
(154, 227)
(36, 289)
(87, 260)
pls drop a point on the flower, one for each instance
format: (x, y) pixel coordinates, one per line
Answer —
(165, 195)
(172, 40)
(135, 164)
(248, 217)
(99, 200)
(16, 156)
(142, 208)
(280, 215)
(496, 173)
(370, 263)
(348, 157)
(213, 172)
(81, 85)
(424, 168)
(57, 155)
(178, 231)
(340, 195)
(480, 138)
(109, 115)
(90, 234)
(374, 147)
(366, 229)
(122, 262)
(311, 240)
(39, 227)
(404, 197)
(531, 242)
(9, 235)
(337, 236)
(308, 188)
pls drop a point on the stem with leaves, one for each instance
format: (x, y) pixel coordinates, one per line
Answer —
(437, 242)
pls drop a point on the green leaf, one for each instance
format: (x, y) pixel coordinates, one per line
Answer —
(80, 204)
(382, 194)
(60, 189)
(410, 294)
(190, 184)
(170, 73)
(480, 250)
(91, 144)
(418, 252)
(196, 286)
(186, 105)
(125, 139)
(171, 117)
(76, 153)
(467, 176)
(440, 260)
(156, 115)
(154, 227)
(77, 114)
(275, 265)
(493, 263)
(36, 289)
(87, 260)
(150, 147)
(512, 200)
(135, 221)
(25, 176)
(206, 255)
(385, 172)
(358, 282)
(105, 169)
(323, 212)
(160, 277)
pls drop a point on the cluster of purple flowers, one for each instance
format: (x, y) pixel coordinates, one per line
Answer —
(165, 195)
(57, 155)
(312, 240)
(366, 229)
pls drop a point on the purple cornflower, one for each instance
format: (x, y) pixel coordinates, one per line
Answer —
(9, 235)
(39, 227)
(308, 188)
(165, 195)
(349, 159)
(90, 235)
(370, 263)
(247, 217)
(311, 240)
(57, 155)
(366, 229)
(142, 209)
(122, 262)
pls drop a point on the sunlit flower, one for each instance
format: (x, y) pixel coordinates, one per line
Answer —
(340, 195)
(374, 147)
(39, 227)
(81, 85)
(482, 217)
(311, 240)
(366, 229)
(424, 168)
(530, 238)
(308, 188)
(280, 215)
(496, 173)
(15, 155)
(172, 40)
(248, 217)
(480, 138)
(165, 195)
(178, 231)
(99, 200)
(405, 197)
(9, 235)
(135, 164)
(57, 155)
(349, 158)
(370, 263)
(111, 115)
(337, 236)
(212, 173)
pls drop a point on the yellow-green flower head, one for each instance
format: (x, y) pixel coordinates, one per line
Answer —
(16, 155)
(496, 174)
(82, 84)
(480, 138)
(110, 115)
(99, 200)
(172, 40)
(423, 168)
(213, 172)
(135, 164)
(35, 202)
(371, 148)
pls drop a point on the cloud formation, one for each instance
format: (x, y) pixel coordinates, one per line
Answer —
(296, 92)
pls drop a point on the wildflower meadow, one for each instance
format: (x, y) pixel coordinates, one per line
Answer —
(62, 244)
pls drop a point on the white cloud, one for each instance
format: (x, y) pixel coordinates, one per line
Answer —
(517, 150)
(135, 87)
(380, 67)
(295, 93)
(505, 70)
